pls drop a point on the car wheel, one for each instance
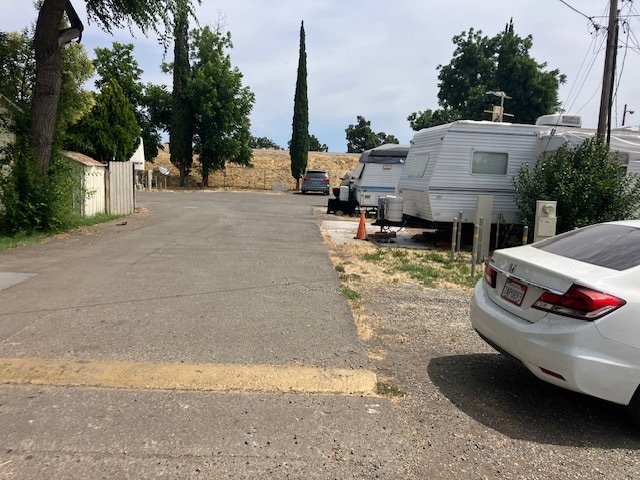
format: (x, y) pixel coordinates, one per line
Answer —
(304, 192)
(633, 409)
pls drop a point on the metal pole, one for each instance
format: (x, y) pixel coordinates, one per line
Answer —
(474, 252)
(624, 115)
(495, 247)
(454, 235)
(459, 242)
(525, 235)
(480, 230)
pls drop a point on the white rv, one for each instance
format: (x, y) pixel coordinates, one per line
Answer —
(624, 143)
(378, 174)
(449, 166)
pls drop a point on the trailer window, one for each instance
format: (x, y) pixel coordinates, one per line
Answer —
(419, 165)
(489, 163)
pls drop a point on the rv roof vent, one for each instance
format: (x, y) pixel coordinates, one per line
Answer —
(560, 121)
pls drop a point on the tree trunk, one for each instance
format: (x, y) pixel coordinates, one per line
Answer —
(205, 176)
(46, 92)
(184, 173)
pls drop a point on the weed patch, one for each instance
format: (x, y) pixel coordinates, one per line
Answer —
(383, 388)
(428, 268)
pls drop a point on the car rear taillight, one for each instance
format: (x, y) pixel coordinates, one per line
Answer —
(579, 302)
(490, 274)
(306, 179)
(325, 179)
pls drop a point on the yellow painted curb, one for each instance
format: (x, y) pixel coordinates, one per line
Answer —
(196, 377)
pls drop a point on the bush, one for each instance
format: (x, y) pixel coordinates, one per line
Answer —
(31, 202)
(587, 182)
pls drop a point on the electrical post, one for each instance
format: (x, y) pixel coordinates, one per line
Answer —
(606, 99)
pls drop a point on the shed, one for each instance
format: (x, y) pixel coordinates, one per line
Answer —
(93, 183)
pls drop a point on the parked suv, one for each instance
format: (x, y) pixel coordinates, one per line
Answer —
(316, 181)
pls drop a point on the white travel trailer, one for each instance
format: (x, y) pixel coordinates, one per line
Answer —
(378, 174)
(449, 166)
(624, 143)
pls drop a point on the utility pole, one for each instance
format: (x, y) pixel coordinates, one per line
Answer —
(624, 114)
(606, 99)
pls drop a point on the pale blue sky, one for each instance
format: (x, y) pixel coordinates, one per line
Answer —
(378, 58)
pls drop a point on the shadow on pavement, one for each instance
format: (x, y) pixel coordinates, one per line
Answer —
(504, 396)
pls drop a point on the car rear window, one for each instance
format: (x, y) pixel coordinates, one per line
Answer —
(605, 245)
(316, 174)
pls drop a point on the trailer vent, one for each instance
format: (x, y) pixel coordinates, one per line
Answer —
(560, 121)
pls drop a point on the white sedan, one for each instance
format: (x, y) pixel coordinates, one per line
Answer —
(568, 308)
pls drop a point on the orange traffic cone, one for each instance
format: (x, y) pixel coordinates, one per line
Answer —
(362, 229)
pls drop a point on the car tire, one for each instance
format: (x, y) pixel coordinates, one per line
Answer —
(633, 409)
(304, 192)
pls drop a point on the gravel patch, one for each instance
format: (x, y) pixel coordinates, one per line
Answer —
(469, 411)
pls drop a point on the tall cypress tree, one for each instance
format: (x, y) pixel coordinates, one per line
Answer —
(299, 148)
(181, 131)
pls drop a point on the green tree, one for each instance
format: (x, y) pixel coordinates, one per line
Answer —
(157, 104)
(383, 138)
(181, 130)
(501, 63)
(299, 146)
(110, 131)
(430, 118)
(587, 182)
(118, 63)
(49, 41)
(534, 90)
(316, 146)
(264, 142)
(361, 137)
(17, 68)
(17, 77)
(221, 105)
(75, 101)
(30, 201)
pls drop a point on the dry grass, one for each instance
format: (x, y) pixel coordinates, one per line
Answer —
(269, 167)
(364, 267)
(364, 262)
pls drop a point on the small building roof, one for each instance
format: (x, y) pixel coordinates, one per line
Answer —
(83, 159)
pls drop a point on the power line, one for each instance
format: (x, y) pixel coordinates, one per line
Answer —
(577, 11)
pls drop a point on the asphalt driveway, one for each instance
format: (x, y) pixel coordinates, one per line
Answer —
(237, 293)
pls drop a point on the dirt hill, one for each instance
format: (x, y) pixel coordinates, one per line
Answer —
(269, 167)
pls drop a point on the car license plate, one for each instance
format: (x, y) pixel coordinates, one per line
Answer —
(514, 292)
